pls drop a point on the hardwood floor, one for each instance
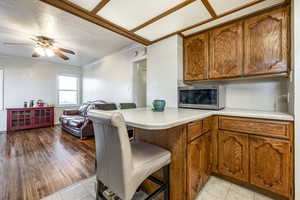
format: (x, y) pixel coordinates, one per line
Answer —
(39, 162)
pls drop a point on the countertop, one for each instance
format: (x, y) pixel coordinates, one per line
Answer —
(145, 118)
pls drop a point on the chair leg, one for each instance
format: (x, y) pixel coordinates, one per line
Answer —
(166, 171)
(164, 185)
(100, 189)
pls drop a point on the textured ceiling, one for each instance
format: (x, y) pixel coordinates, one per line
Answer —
(141, 20)
(150, 21)
(22, 19)
(132, 13)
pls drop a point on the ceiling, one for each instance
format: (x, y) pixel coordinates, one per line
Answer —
(150, 21)
(96, 28)
(23, 19)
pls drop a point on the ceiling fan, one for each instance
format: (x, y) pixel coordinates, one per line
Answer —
(45, 46)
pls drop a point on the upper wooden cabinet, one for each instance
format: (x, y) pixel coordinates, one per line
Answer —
(256, 46)
(196, 58)
(266, 43)
(226, 51)
(271, 164)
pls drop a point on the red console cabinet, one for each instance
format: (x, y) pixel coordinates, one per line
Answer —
(27, 118)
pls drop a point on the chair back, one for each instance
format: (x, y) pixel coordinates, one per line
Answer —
(106, 106)
(113, 151)
(127, 105)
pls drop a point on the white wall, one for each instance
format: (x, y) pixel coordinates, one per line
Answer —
(111, 78)
(163, 65)
(26, 79)
(296, 62)
(266, 95)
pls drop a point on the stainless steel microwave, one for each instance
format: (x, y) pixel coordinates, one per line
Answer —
(202, 97)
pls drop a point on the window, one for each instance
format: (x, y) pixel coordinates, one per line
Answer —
(68, 90)
(1, 88)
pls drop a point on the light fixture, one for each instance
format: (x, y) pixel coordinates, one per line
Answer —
(39, 50)
(49, 52)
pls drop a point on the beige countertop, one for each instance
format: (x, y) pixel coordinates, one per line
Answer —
(145, 118)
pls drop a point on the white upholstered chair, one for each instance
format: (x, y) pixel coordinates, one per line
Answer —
(123, 165)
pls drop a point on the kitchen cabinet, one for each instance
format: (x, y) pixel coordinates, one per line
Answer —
(257, 153)
(266, 43)
(234, 155)
(196, 58)
(270, 164)
(256, 46)
(199, 157)
(198, 128)
(226, 51)
(263, 127)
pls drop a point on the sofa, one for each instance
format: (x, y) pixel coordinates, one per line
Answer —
(76, 122)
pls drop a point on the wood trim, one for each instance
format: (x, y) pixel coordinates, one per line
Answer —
(87, 15)
(252, 77)
(179, 6)
(209, 8)
(211, 19)
(260, 127)
(99, 6)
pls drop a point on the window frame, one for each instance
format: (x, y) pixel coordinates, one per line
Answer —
(78, 89)
(2, 89)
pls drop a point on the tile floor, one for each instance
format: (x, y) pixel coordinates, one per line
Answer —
(215, 189)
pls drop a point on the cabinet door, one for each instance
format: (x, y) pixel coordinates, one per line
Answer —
(266, 43)
(270, 164)
(234, 155)
(198, 164)
(196, 57)
(226, 51)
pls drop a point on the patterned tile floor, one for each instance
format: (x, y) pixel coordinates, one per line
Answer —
(215, 189)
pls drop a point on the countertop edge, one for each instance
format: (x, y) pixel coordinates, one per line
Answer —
(167, 125)
(156, 126)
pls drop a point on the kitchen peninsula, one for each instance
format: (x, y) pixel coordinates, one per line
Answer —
(252, 148)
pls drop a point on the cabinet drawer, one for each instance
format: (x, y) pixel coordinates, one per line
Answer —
(279, 129)
(198, 128)
(194, 130)
(206, 125)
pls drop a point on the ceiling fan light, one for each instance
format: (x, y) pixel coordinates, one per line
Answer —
(49, 52)
(40, 51)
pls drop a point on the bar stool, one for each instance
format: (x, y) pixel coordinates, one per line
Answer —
(129, 128)
(122, 165)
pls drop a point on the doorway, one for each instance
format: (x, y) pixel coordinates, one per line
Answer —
(140, 83)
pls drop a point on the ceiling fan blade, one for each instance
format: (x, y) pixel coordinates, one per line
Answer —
(35, 55)
(58, 53)
(67, 51)
(16, 44)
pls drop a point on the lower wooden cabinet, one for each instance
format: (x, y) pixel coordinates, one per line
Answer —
(271, 164)
(258, 152)
(234, 155)
(199, 157)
